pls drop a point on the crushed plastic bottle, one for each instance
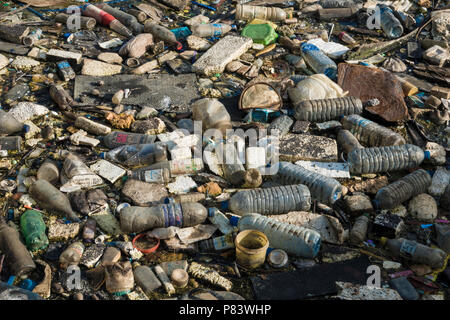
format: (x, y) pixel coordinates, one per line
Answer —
(210, 29)
(137, 154)
(440, 181)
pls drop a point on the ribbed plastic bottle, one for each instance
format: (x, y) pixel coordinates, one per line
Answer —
(403, 189)
(322, 188)
(72, 255)
(126, 19)
(217, 244)
(137, 154)
(283, 123)
(391, 26)
(371, 133)
(359, 230)
(162, 33)
(247, 12)
(347, 141)
(293, 239)
(220, 220)
(105, 19)
(318, 61)
(276, 200)
(48, 171)
(118, 138)
(212, 113)
(9, 124)
(385, 159)
(415, 252)
(151, 176)
(138, 219)
(177, 167)
(33, 228)
(440, 181)
(210, 29)
(321, 110)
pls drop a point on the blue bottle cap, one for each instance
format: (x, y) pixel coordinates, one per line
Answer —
(211, 212)
(26, 128)
(427, 154)
(234, 221)
(309, 47)
(28, 284)
(102, 155)
(168, 200)
(224, 205)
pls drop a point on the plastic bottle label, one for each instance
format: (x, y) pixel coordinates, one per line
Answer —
(408, 248)
(153, 175)
(222, 243)
(172, 215)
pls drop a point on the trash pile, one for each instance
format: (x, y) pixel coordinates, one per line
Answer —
(211, 149)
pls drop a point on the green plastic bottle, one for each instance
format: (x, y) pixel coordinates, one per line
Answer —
(260, 33)
(33, 229)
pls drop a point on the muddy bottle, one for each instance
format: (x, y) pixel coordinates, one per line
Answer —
(145, 278)
(293, 239)
(321, 110)
(318, 61)
(212, 114)
(105, 19)
(16, 254)
(385, 159)
(220, 220)
(85, 22)
(137, 154)
(9, 292)
(9, 124)
(61, 97)
(346, 38)
(162, 33)
(51, 199)
(391, 26)
(347, 141)
(276, 200)
(32, 37)
(403, 189)
(118, 138)
(48, 171)
(72, 255)
(440, 181)
(138, 219)
(151, 176)
(359, 231)
(10, 143)
(282, 124)
(89, 230)
(210, 29)
(371, 133)
(415, 252)
(323, 189)
(33, 228)
(233, 169)
(217, 244)
(126, 19)
(247, 12)
(338, 3)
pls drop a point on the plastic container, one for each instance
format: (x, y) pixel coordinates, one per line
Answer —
(117, 139)
(322, 188)
(210, 29)
(137, 154)
(385, 159)
(233, 169)
(282, 124)
(391, 26)
(72, 255)
(34, 36)
(439, 183)
(371, 133)
(212, 114)
(260, 33)
(321, 110)
(276, 200)
(246, 12)
(220, 220)
(347, 141)
(277, 258)
(318, 61)
(293, 239)
(10, 143)
(33, 228)
(403, 189)
(9, 124)
(251, 248)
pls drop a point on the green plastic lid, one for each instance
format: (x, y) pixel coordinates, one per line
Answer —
(260, 33)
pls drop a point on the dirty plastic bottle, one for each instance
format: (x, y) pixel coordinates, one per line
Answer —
(346, 38)
(10, 143)
(391, 26)
(151, 176)
(283, 123)
(85, 22)
(210, 29)
(126, 19)
(440, 181)
(9, 124)
(48, 171)
(9, 292)
(72, 255)
(189, 197)
(32, 37)
(33, 230)
(16, 254)
(321, 110)
(371, 133)
(276, 200)
(50, 198)
(359, 230)
(137, 154)
(89, 230)
(217, 244)
(385, 159)
(178, 167)
(415, 252)
(118, 138)
(403, 189)
(212, 114)
(105, 19)
(138, 219)
(145, 278)
(162, 33)
(443, 237)
(233, 169)
(291, 238)
(347, 141)
(220, 220)
(247, 12)
(323, 189)
(318, 61)
(337, 3)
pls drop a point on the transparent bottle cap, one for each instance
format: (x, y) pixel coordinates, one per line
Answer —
(121, 206)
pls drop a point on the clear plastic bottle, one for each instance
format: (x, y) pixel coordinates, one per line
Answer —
(118, 138)
(10, 143)
(177, 167)
(385, 159)
(137, 154)
(247, 12)
(220, 220)
(217, 244)
(283, 123)
(212, 114)
(347, 141)
(338, 3)
(293, 239)
(440, 181)
(9, 124)
(403, 189)
(276, 200)
(391, 26)
(323, 189)
(327, 109)
(371, 133)
(33, 230)
(72, 255)
(233, 169)
(210, 29)
(151, 176)
(318, 61)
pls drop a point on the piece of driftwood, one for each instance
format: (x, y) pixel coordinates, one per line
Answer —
(13, 33)
(13, 48)
(432, 73)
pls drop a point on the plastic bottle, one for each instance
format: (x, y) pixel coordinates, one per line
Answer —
(359, 230)
(318, 61)
(85, 22)
(189, 197)
(145, 278)
(72, 255)
(177, 167)
(9, 292)
(293, 239)
(16, 254)
(105, 19)
(9, 124)
(415, 252)
(33, 230)
(212, 114)
(118, 138)
(210, 29)
(246, 12)
(162, 33)
(385, 159)
(371, 133)
(403, 189)
(10, 143)
(321, 110)
(440, 181)
(137, 154)
(32, 37)
(283, 123)
(126, 19)
(323, 189)
(233, 169)
(391, 26)
(337, 3)
(276, 200)
(51, 199)
(217, 244)
(347, 141)
(220, 220)
(48, 171)
(346, 38)
(138, 219)
(89, 230)
(151, 176)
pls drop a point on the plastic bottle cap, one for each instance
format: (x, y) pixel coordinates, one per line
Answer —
(427, 154)
(211, 212)
(168, 200)
(234, 221)
(121, 206)
(179, 277)
(277, 258)
(383, 241)
(102, 155)
(224, 205)
(26, 128)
